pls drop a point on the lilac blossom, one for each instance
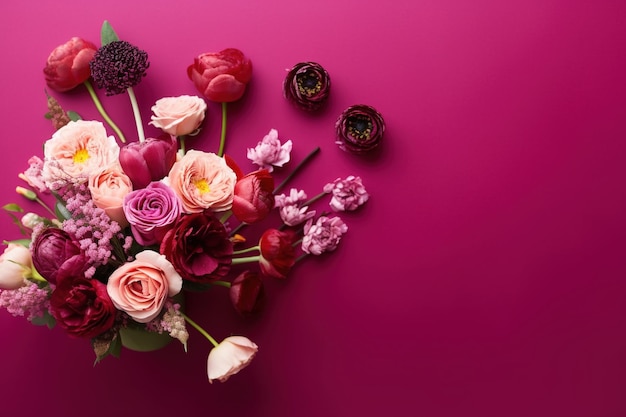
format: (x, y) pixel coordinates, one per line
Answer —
(323, 236)
(347, 194)
(290, 209)
(269, 152)
(29, 300)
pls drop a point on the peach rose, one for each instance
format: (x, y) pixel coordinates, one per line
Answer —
(75, 151)
(178, 116)
(15, 265)
(108, 188)
(203, 180)
(141, 287)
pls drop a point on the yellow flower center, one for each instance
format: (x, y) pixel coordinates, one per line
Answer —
(81, 156)
(202, 185)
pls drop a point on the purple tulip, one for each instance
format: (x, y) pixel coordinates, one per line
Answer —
(149, 160)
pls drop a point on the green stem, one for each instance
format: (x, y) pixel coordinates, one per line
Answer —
(223, 135)
(297, 242)
(44, 205)
(133, 102)
(301, 257)
(246, 250)
(221, 283)
(226, 216)
(238, 228)
(199, 329)
(314, 199)
(37, 276)
(181, 140)
(102, 112)
(237, 261)
(296, 169)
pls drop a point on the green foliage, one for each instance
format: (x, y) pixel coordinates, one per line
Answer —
(74, 116)
(45, 320)
(109, 344)
(107, 34)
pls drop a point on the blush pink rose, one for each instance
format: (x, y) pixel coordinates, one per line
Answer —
(141, 287)
(15, 265)
(178, 116)
(230, 357)
(75, 151)
(203, 180)
(108, 188)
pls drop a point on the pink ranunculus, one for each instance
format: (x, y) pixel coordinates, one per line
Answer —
(178, 116)
(108, 187)
(203, 180)
(222, 76)
(141, 287)
(253, 198)
(277, 253)
(323, 236)
(148, 161)
(269, 152)
(77, 150)
(151, 211)
(68, 64)
(15, 266)
(230, 357)
(347, 194)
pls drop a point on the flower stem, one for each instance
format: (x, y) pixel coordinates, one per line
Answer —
(133, 102)
(199, 329)
(296, 169)
(314, 199)
(102, 112)
(237, 261)
(223, 135)
(301, 257)
(181, 140)
(226, 216)
(221, 283)
(246, 250)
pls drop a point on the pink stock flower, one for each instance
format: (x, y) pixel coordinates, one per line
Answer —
(269, 152)
(230, 357)
(292, 213)
(323, 236)
(347, 194)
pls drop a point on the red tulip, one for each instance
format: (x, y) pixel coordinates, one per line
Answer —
(253, 199)
(247, 293)
(68, 64)
(149, 160)
(277, 253)
(221, 76)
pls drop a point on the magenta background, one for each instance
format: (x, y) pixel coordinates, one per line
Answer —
(486, 276)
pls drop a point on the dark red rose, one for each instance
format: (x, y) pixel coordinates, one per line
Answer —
(149, 160)
(221, 76)
(247, 293)
(359, 129)
(82, 306)
(199, 248)
(307, 85)
(68, 64)
(56, 253)
(277, 253)
(253, 199)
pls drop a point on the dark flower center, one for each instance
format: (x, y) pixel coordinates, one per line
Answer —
(309, 83)
(360, 126)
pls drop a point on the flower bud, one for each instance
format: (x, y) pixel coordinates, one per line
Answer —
(30, 194)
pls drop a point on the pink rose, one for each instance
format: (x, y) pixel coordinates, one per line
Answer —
(108, 188)
(15, 265)
(230, 357)
(140, 288)
(75, 151)
(203, 180)
(68, 64)
(178, 116)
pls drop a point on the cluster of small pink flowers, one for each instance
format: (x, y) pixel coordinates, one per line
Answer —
(29, 300)
(347, 194)
(172, 322)
(290, 207)
(269, 152)
(324, 235)
(33, 175)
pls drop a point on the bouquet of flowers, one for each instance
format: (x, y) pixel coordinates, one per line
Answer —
(130, 226)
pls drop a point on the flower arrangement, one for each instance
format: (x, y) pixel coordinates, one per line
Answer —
(132, 225)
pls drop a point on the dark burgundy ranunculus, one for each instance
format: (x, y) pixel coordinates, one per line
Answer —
(247, 293)
(253, 199)
(56, 253)
(82, 306)
(307, 85)
(148, 161)
(277, 253)
(221, 76)
(199, 248)
(359, 129)
(68, 64)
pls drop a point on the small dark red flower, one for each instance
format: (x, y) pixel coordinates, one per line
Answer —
(247, 293)
(221, 76)
(359, 129)
(307, 85)
(277, 253)
(68, 64)
(253, 199)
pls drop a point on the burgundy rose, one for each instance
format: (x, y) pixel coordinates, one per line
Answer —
(307, 85)
(56, 253)
(199, 248)
(277, 253)
(149, 160)
(221, 76)
(68, 64)
(359, 129)
(82, 306)
(254, 197)
(247, 293)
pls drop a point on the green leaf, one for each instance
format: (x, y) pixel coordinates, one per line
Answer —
(73, 116)
(13, 207)
(62, 212)
(105, 345)
(21, 242)
(107, 34)
(45, 320)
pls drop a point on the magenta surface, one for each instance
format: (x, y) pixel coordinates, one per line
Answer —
(486, 275)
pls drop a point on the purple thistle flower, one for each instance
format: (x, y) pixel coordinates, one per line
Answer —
(118, 66)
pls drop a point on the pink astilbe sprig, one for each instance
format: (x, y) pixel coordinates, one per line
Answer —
(30, 301)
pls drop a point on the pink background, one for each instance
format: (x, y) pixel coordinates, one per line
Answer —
(486, 276)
